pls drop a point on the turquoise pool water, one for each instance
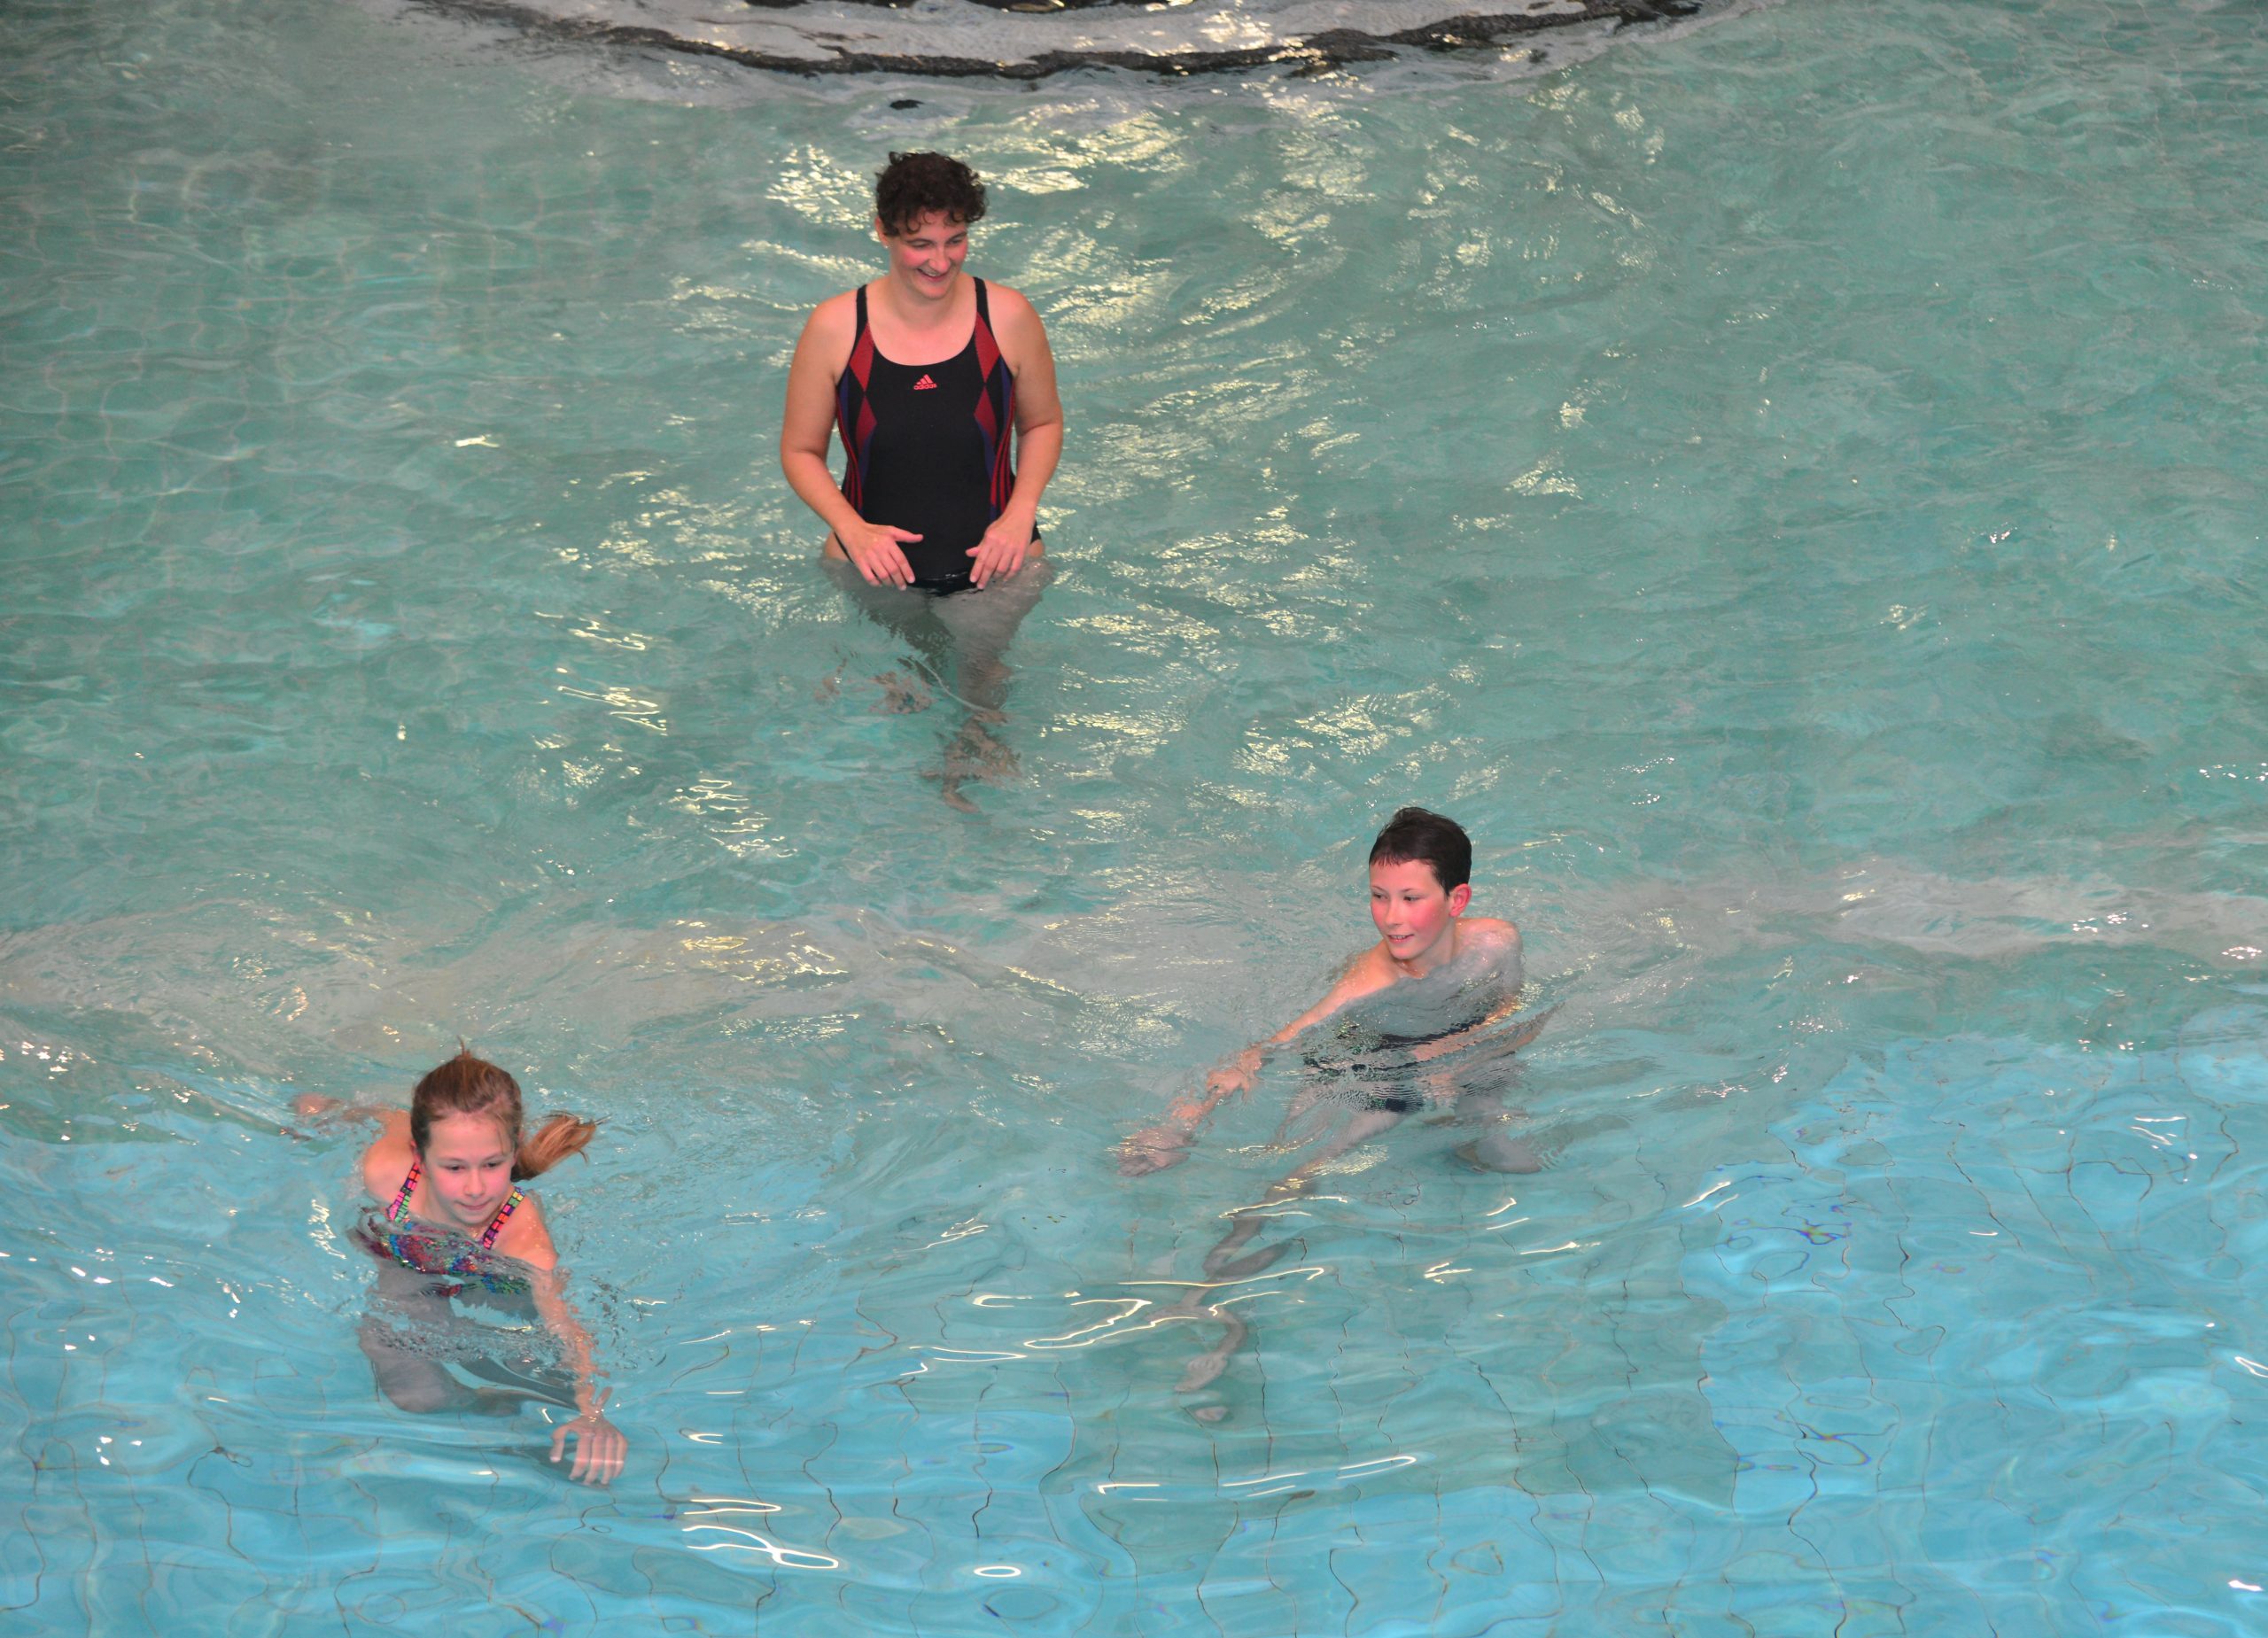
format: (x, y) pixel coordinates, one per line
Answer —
(1793, 490)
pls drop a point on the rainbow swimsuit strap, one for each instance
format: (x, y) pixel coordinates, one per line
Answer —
(496, 1223)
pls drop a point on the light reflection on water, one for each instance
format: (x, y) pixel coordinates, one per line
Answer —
(1788, 491)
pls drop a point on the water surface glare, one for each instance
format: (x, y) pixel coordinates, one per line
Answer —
(1792, 489)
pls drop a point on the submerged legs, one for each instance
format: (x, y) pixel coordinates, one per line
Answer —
(960, 645)
(1229, 1263)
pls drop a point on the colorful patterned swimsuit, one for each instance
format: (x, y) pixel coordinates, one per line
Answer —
(929, 445)
(429, 1251)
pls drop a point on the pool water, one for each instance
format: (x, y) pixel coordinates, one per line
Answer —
(1791, 489)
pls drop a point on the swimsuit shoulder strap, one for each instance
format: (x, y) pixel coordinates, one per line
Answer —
(862, 317)
(496, 1223)
(983, 305)
(409, 1187)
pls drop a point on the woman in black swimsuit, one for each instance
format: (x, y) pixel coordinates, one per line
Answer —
(932, 379)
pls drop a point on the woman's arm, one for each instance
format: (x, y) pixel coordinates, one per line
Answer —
(1039, 435)
(805, 426)
(600, 1447)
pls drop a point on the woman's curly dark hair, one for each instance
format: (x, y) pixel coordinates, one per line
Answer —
(913, 184)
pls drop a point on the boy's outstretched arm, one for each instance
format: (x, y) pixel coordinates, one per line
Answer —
(1155, 1148)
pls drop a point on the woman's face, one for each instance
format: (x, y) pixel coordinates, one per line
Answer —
(926, 258)
(468, 1162)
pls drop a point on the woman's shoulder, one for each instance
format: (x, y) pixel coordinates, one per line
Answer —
(838, 312)
(1009, 306)
(832, 327)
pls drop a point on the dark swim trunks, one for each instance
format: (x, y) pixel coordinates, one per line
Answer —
(1389, 1103)
(929, 446)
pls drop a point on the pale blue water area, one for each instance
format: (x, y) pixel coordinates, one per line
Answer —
(1793, 489)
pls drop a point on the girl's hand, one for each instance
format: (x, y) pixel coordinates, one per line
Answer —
(1002, 551)
(600, 1447)
(1153, 1149)
(876, 551)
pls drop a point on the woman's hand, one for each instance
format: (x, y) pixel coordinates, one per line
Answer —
(600, 1447)
(1003, 550)
(876, 551)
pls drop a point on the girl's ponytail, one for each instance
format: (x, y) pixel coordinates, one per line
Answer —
(554, 1141)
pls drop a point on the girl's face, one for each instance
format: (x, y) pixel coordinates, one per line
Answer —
(926, 258)
(469, 1167)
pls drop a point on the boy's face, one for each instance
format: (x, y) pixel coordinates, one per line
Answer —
(1415, 917)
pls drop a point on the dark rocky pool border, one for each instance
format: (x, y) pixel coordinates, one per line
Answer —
(1325, 48)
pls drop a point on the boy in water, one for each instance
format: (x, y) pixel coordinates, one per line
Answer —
(1436, 983)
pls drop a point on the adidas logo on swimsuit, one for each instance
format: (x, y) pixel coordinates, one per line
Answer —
(925, 384)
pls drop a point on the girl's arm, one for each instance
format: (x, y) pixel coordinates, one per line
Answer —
(332, 1111)
(387, 1160)
(600, 1447)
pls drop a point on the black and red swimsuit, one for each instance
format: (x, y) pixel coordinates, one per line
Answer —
(929, 446)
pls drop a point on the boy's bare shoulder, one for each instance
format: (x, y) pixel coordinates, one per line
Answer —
(1490, 942)
(1363, 973)
(1370, 971)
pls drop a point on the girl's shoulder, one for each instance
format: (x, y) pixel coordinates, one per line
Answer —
(388, 1159)
(525, 1237)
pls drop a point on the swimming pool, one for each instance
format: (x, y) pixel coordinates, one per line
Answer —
(1792, 490)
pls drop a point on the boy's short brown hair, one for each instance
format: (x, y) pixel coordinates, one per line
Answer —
(1416, 835)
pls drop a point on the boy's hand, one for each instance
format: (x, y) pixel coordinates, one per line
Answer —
(1153, 1149)
(1240, 1077)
